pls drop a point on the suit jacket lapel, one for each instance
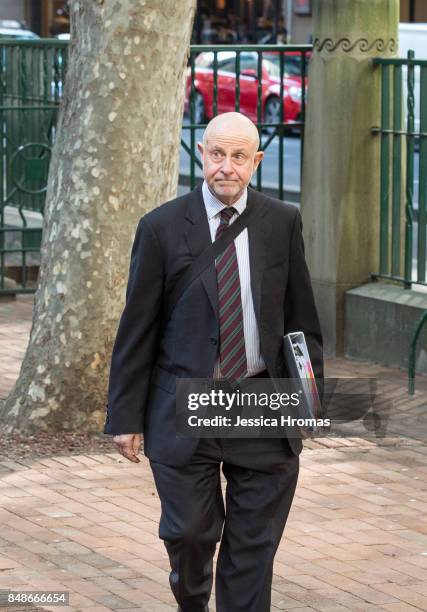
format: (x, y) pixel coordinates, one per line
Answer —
(258, 234)
(198, 237)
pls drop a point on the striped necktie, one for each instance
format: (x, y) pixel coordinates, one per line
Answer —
(232, 352)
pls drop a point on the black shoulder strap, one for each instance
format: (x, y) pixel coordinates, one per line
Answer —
(209, 254)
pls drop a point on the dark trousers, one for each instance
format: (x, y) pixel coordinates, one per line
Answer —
(261, 477)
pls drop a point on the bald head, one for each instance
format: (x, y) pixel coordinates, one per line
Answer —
(232, 124)
(230, 155)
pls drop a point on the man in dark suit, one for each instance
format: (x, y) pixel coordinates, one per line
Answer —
(229, 323)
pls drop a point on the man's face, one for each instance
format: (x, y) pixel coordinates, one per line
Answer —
(229, 160)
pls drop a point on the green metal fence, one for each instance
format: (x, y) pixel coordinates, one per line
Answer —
(264, 82)
(402, 240)
(31, 81)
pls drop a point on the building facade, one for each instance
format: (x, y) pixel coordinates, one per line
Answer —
(44, 17)
(300, 18)
(217, 21)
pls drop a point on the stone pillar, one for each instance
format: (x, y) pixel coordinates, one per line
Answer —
(340, 190)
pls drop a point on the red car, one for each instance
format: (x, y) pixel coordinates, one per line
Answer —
(248, 86)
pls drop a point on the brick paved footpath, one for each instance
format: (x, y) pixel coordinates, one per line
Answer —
(356, 538)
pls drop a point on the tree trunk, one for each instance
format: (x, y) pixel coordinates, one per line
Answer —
(115, 157)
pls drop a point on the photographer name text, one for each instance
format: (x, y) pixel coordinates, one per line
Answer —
(261, 421)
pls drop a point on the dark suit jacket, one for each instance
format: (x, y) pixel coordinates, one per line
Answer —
(150, 353)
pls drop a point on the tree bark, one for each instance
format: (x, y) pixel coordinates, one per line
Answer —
(115, 157)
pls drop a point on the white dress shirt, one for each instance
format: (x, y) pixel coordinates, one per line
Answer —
(214, 206)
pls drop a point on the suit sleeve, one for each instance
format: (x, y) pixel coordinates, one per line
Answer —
(134, 348)
(300, 308)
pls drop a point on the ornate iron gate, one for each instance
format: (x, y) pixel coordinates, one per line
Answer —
(403, 245)
(31, 82)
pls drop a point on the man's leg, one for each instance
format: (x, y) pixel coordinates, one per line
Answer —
(261, 480)
(191, 523)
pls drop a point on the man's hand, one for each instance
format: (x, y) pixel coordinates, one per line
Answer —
(128, 445)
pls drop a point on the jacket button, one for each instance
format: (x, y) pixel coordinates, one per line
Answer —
(214, 341)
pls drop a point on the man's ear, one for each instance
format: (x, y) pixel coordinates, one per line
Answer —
(200, 147)
(259, 155)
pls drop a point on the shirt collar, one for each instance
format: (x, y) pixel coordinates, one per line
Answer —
(214, 206)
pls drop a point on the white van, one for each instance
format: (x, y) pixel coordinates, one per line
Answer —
(413, 36)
